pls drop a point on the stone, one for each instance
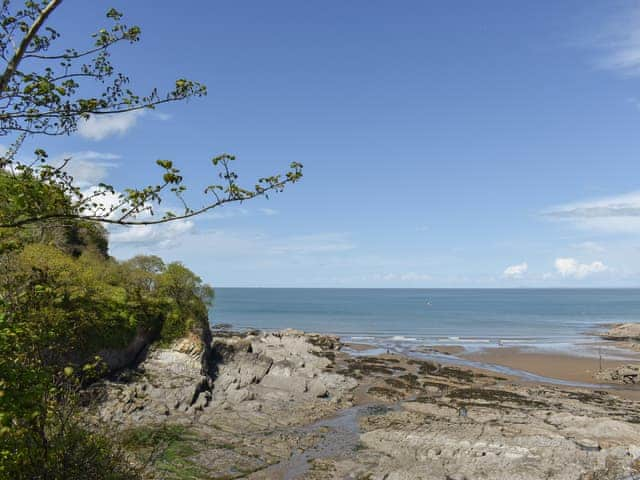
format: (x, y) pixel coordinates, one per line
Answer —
(264, 402)
(626, 374)
(623, 331)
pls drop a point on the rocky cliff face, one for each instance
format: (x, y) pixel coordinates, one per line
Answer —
(118, 358)
(172, 379)
(191, 379)
(282, 367)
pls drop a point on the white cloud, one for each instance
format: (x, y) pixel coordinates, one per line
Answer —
(616, 214)
(229, 244)
(99, 127)
(105, 201)
(571, 268)
(516, 271)
(162, 235)
(87, 167)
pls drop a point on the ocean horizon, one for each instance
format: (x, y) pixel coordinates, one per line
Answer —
(548, 318)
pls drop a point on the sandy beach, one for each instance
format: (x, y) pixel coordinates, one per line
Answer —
(570, 367)
(565, 367)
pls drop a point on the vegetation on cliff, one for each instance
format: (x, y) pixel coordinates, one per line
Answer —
(63, 303)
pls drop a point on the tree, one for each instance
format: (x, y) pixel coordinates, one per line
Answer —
(62, 299)
(41, 94)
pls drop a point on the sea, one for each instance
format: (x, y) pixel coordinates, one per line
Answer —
(548, 319)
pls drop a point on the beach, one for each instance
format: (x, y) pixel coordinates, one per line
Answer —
(292, 405)
(586, 367)
(377, 400)
(562, 366)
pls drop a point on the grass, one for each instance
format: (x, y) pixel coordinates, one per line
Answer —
(170, 447)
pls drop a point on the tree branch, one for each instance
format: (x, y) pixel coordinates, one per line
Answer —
(121, 221)
(24, 44)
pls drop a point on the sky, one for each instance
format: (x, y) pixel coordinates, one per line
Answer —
(445, 144)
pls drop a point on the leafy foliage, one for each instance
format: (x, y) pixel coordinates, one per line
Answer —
(63, 301)
(41, 89)
(41, 93)
(59, 447)
(58, 313)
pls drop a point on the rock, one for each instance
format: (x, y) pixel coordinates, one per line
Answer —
(623, 331)
(117, 358)
(317, 389)
(277, 369)
(626, 374)
(432, 390)
(267, 401)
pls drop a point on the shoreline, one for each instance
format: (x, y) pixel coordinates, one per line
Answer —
(566, 367)
(291, 404)
(526, 365)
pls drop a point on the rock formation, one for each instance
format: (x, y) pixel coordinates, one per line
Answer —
(291, 405)
(623, 331)
(626, 374)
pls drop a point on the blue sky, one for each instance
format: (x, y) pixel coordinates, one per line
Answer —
(445, 144)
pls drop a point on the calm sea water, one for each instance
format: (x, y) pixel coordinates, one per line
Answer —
(464, 316)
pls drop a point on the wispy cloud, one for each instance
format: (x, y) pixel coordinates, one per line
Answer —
(162, 235)
(233, 244)
(162, 116)
(619, 42)
(99, 127)
(233, 212)
(229, 212)
(571, 268)
(268, 211)
(313, 244)
(589, 246)
(516, 271)
(87, 167)
(398, 277)
(609, 214)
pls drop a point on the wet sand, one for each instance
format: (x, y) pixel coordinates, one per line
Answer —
(359, 347)
(448, 349)
(565, 367)
(554, 365)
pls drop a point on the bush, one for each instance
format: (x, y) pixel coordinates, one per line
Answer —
(71, 452)
(59, 307)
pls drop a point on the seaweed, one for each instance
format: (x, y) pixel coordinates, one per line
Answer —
(497, 396)
(385, 392)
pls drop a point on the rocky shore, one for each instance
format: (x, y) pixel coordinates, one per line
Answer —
(292, 405)
(625, 336)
